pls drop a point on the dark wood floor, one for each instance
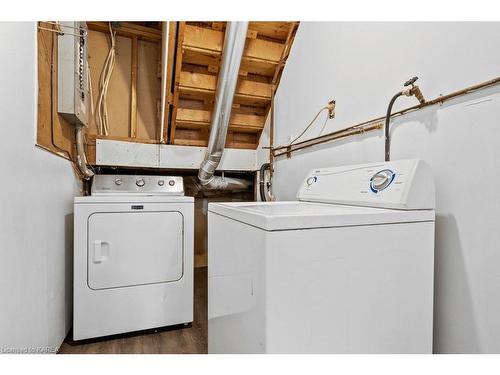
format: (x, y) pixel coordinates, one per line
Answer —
(173, 340)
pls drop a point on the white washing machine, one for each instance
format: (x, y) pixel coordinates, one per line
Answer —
(348, 268)
(133, 255)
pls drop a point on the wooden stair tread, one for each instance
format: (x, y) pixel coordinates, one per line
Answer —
(198, 58)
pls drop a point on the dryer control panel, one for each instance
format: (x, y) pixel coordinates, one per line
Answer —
(142, 185)
(399, 184)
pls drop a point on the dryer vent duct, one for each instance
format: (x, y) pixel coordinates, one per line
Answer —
(234, 45)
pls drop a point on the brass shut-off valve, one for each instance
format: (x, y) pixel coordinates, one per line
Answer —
(331, 109)
(413, 90)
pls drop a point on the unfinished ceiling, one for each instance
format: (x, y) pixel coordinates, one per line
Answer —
(134, 99)
(197, 59)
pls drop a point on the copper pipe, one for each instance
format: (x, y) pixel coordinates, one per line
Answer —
(333, 136)
(366, 125)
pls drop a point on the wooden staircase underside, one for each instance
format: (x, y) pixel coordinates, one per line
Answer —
(197, 60)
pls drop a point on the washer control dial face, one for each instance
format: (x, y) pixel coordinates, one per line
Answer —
(140, 182)
(311, 180)
(381, 180)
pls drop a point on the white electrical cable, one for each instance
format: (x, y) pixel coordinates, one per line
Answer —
(107, 70)
(91, 96)
(330, 107)
(308, 126)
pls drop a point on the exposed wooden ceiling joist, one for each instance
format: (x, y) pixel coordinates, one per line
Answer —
(198, 54)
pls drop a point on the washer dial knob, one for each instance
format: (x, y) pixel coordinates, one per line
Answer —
(311, 180)
(140, 182)
(381, 180)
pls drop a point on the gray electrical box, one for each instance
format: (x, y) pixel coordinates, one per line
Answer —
(72, 75)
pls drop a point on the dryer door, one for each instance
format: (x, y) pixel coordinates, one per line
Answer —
(127, 249)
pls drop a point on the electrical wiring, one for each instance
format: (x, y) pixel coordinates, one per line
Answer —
(58, 28)
(61, 151)
(330, 107)
(102, 120)
(91, 97)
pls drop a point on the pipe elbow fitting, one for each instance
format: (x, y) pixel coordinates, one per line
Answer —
(418, 94)
(81, 158)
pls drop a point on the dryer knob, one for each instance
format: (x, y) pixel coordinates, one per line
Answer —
(118, 181)
(140, 182)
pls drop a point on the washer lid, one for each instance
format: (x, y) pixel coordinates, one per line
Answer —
(307, 215)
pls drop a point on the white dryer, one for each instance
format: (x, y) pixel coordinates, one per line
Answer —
(133, 255)
(348, 268)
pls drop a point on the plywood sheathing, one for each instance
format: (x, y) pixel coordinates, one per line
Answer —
(134, 92)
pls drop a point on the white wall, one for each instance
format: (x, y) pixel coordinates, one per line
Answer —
(361, 66)
(36, 192)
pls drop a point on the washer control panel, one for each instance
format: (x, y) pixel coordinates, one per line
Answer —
(381, 180)
(142, 185)
(311, 180)
(400, 184)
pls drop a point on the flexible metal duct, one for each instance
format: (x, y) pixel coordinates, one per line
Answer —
(234, 44)
(81, 158)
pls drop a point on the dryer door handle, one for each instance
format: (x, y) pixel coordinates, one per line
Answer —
(101, 251)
